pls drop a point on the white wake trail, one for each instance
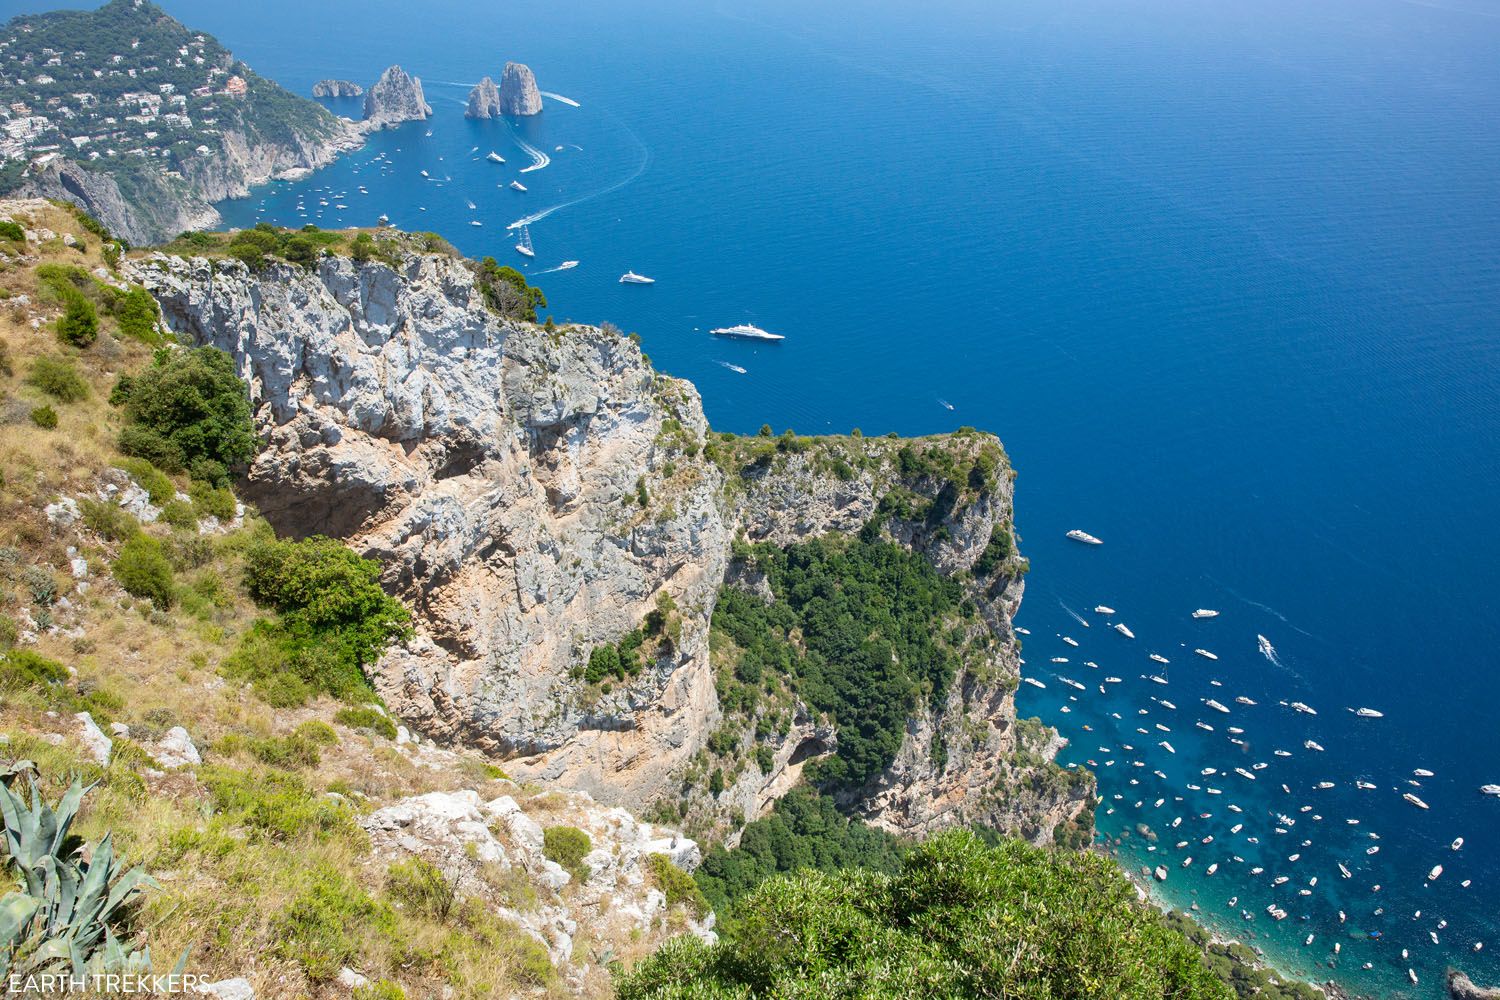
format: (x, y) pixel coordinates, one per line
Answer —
(539, 159)
(561, 99)
(639, 169)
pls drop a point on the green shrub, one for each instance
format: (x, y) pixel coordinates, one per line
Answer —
(421, 887)
(212, 501)
(506, 292)
(276, 805)
(142, 570)
(179, 515)
(23, 669)
(108, 519)
(137, 314)
(79, 324)
(12, 231)
(157, 485)
(958, 920)
(380, 989)
(329, 922)
(333, 620)
(677, 885)
(188, 412)
(365, 717)
(44, 417)
(58, 378)
(603, 661)
(567, 845)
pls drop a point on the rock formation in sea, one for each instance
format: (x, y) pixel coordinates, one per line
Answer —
(395, 98)
(1461, 987)
(537, 494)
(518, 93)
(337, 88)
(484, 100)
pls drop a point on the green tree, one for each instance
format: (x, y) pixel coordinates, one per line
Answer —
(188, 411)
(79, 323)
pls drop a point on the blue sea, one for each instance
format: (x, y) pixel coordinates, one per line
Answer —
(1224, 277)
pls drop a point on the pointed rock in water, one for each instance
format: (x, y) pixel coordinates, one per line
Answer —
(484, 100)
(396, 97)
(518, 93)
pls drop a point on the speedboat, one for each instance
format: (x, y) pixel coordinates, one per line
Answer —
(1347, 874)
(1437, 871)
(631, 278)
(1084, 537)
(1205, 613)
(744, 331)
(1489, 790)
(1457, 843)
(1313, 745)
(1367, 713)
(517, 185)
(494, 157)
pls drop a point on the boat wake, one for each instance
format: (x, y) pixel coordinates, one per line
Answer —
(1075, 615)
(539, 159)
(561, 99)
(734, 368)
(640, 168)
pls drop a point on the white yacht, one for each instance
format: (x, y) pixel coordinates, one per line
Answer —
(518, 186)
(494, 157)
(1166, 746)
(1084, 537)
(744, 331)
(1408, 796)
(567, 265)
(1205, 613)
(1489, 790)
(1437, 870)
(1304, 708)
(523, 246)
(631, 278)
(1367, 713)
(1346, 873)
(1159, 658)
(1206, 654)
(1422, 772)
(1120, 628)
(1217, 706)
(1242, 700)
(1034, 682)
(1312, 745)
(1457, 843)
(1102, 610)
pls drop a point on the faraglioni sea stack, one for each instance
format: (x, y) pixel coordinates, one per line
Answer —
(396, 97)
(518, 93)
(484, 100)
(337, 88)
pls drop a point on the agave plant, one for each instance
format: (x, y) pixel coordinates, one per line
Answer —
(61, 917)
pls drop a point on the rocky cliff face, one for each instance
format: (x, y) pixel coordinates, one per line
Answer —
(395, 98)
(484, 100)
(518, 93)
(538, 493)
(337, 88)
(159, 205)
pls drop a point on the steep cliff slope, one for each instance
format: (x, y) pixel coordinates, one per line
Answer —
(539, 495)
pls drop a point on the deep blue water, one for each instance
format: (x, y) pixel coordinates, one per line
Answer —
(1224, 277)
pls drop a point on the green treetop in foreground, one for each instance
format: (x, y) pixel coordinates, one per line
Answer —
(959, 920)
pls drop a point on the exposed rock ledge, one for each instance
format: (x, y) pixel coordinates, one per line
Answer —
(1461, 987)
(532, 494)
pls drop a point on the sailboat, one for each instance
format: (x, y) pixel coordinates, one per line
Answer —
(524, 247)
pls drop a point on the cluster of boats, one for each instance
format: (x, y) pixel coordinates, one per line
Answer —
(1288, 822)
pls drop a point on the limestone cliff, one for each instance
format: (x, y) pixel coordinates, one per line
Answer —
(395, 98)
(337, 88)
(536, 493)
(484, 100)
(518, 92)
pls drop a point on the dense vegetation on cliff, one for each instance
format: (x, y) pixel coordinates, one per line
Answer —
(958, 920)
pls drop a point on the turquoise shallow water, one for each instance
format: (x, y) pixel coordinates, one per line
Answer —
(1224, 277)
